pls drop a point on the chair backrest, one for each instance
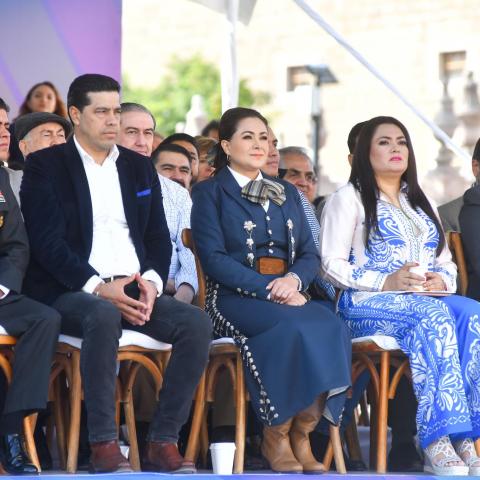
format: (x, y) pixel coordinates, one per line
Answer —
(187, 240)
(455, 244)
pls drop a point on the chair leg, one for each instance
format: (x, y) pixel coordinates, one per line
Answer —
(240, 407)
(328, 456)
(75, 411)
(134, 456)
(477, 446)
(28, 428)
(337, 448)
(351, 439)
(383, 412)
(59, 422)
(198, 413)
(204, 443)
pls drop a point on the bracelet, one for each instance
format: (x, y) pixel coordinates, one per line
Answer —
(306, 295)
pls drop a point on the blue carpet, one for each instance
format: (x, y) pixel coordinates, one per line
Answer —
(248, 476)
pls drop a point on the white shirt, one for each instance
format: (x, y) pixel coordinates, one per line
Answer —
(242, 180)
(408, 236)
(113, 252)
(177, 205)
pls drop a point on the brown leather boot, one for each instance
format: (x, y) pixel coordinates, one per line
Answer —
(277, 450)
(304, 423)
(106, 457)
(164, 457)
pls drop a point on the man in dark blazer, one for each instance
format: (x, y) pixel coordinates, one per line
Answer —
(469, 221)
(100, 254)
(36, 326)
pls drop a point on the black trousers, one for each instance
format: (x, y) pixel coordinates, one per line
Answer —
(100, 325)
(37, 327)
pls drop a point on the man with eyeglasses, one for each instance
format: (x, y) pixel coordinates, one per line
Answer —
(296, 167)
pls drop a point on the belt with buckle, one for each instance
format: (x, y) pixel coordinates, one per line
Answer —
(112, 278)
(271, 266)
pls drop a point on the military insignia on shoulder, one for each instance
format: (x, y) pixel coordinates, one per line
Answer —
(2, 198)
(1, 220)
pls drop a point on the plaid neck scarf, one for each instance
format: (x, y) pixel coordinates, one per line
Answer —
(259, 191)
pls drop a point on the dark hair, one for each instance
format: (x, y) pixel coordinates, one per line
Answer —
(170, 147)
(363, 179)
(476, 151)
(211, 125)
(182, 137)
(90, 82)
(137, 107)
(3, 105)
(226, 129)
(353, 136)
(59, 105)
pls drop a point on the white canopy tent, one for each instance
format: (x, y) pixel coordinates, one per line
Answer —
(242, 10)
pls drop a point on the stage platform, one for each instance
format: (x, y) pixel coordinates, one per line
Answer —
(245, 476)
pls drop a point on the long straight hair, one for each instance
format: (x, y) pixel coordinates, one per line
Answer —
(363, 179)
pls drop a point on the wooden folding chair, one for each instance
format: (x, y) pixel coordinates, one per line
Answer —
(454, 240)
(135, 350)
(7, 355)
(224, 353)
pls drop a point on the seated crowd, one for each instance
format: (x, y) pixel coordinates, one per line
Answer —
(92, 210)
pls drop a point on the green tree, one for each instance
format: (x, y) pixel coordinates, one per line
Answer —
(169, 101)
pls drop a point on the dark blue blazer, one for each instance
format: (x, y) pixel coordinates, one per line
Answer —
(218, 216)
(57, 209)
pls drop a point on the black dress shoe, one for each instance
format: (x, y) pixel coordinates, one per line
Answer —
(15, 460)
(404, 457)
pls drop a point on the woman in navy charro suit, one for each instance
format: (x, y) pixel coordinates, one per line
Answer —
(259, 257)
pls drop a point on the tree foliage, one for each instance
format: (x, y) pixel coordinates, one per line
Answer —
(170, 100)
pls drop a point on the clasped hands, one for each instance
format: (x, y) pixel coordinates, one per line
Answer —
(403, 279)
(136, 312)
(284, 290)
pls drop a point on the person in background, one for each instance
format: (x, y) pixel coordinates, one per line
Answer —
(449, 212)
(205, 165)
(35, 131)
(174, 162)
(210, 130)
(190, 144)
(42, 97)
(296, 167)
(158, 138)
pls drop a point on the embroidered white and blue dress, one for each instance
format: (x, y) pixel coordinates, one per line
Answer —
(440, 335)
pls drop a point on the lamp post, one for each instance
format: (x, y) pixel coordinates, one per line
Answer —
(322, 75)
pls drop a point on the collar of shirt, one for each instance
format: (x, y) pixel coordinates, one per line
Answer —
(242, 180)
(111, 157)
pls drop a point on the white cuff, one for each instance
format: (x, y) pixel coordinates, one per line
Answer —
(154, 277)
(91, 284)
(5, 291)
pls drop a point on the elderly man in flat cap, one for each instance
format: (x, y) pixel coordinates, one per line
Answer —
(36, 131)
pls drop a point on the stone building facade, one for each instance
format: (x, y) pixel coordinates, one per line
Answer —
(414, 43)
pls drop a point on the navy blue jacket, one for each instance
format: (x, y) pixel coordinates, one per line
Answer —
(219, 214)
(57, 209)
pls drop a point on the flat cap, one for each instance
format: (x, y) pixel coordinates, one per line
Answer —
(27, 122)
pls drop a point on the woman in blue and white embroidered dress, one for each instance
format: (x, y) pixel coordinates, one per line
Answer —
(374, 229)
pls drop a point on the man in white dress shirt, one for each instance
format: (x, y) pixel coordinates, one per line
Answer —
(101, 252)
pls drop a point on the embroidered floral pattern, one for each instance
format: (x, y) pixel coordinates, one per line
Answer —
(248, 227)
(224, 328)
